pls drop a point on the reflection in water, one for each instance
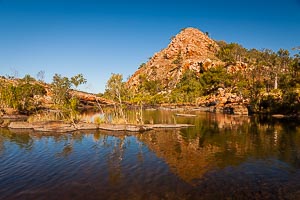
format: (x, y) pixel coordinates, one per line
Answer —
(221, 157)
(183, 157)
(115, 159)
(21, 138)
(218, 141)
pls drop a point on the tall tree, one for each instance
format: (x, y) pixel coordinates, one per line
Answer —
(282, 63)
(115, 89)
(41, 75)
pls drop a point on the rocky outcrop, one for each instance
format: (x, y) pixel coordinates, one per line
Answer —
(190, 49)
(236, 109)
(224, 101)
(91, 99)
(238, 66)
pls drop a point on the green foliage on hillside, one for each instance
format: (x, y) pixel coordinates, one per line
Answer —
(27, 95)
(193, 85)
(23, 95)
(270, 80)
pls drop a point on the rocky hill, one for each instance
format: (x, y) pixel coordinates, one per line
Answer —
(190, 49)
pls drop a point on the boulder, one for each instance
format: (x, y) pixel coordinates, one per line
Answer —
(236, 109)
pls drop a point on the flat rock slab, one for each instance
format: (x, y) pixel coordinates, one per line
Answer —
(169, 125)
(86, 126)
(20, 125)
(278, 116)
(58, 129)
(62, 127)
(51, 126)
(124, 127)
(15, 117)
(185, 115)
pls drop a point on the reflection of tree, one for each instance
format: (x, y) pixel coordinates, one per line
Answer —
(114, 160)
(67, 148)
(22, 139)
(66, 151)
(1, 144)
(78, 137)
(68, 140)
(288, 147)
(140, 155)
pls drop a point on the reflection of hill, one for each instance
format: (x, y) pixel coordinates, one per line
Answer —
(217, 142)
(184, 158)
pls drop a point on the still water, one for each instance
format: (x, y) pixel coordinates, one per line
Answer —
(222, 157)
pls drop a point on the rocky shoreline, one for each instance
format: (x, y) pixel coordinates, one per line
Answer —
(63, 127)
(19, 122)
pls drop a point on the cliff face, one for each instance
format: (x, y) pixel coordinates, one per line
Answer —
(190, 49)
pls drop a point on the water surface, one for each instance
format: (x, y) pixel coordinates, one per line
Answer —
(222, 157)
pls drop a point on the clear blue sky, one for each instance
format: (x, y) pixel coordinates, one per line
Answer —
(97, 38)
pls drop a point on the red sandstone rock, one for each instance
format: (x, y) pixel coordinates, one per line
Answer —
(190, 49)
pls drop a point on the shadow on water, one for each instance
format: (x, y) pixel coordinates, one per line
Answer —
(221, 157)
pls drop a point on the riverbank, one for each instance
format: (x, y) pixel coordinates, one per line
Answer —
(187, 111)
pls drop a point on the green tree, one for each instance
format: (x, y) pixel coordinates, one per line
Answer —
(231, 53)
(41, 75)
(78, 80)
(115, 88)
(62, 98)
(60, 87)
(283, 57)
(27, 78)
(188, 89)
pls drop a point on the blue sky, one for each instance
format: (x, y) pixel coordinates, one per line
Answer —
(97, 38)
